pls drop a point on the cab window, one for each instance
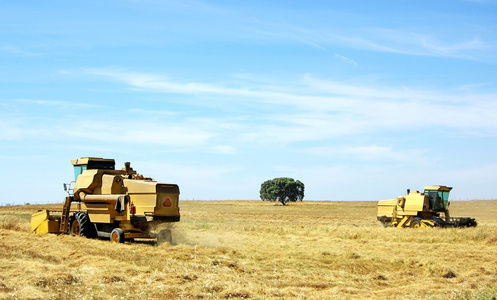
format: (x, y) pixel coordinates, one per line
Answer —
(438, 199)
(78, 170)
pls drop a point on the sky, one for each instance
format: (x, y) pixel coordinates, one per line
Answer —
(358, 100)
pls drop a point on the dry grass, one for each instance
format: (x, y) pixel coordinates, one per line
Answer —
(258, 250)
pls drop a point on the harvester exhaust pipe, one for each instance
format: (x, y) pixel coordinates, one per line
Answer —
(408, 191)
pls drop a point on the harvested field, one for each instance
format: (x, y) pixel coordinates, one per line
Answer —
(258, 250)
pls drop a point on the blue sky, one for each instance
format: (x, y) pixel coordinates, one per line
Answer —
(358, 100)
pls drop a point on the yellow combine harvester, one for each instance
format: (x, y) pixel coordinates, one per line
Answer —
(421, 210)
(116, 204)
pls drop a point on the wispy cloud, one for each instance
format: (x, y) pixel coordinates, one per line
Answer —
(420, 41)
(17, 51)
(316, 107)
(345, 59)
(428, 44)
(306, 110)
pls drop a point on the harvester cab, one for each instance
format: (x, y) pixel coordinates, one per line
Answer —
(115, 204)
(87, 163)
(438, 197)
(92, 163)
(427, 209)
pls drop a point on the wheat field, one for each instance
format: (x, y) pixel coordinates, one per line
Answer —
(258, 250)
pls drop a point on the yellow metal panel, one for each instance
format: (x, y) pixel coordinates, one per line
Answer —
(47, 226)
(143, 199)
(405, 221)
(38, 218)
(386, 207)
(112, 184)
(162, 210)
(42, 228)
(104, 207)
(140, 186)
(414, 204)
(99, 212)
(144, 203)
(438, 188)
(87, 180)
(96, 217)
(92, 180)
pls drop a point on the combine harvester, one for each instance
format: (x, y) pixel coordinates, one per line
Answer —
(421, 210)
(115, 204)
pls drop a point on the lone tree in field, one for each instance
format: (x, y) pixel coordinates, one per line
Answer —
(283, 190)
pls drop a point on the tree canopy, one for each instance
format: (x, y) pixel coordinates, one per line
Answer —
(282, 189)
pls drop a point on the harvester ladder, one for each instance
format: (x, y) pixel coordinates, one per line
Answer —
(65, 215)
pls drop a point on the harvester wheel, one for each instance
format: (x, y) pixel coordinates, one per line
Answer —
(117, 235)
(81, 225)
(75, 230)
(415, 223)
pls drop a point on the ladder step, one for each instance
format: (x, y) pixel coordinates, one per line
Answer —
(65, 215)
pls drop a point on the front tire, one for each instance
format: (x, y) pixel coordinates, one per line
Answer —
(81, 225)
(415, 223)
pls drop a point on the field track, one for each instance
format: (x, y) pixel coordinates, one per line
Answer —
(258, 250)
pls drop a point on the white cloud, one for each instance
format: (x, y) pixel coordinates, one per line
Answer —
(314, 108)
(306, 110)
(223, 149)
(345, 59)
(420, 41)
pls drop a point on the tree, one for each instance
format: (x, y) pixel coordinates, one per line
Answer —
(282, 189)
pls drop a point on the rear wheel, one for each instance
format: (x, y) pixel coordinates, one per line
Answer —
(117, 235)
(415, 223)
